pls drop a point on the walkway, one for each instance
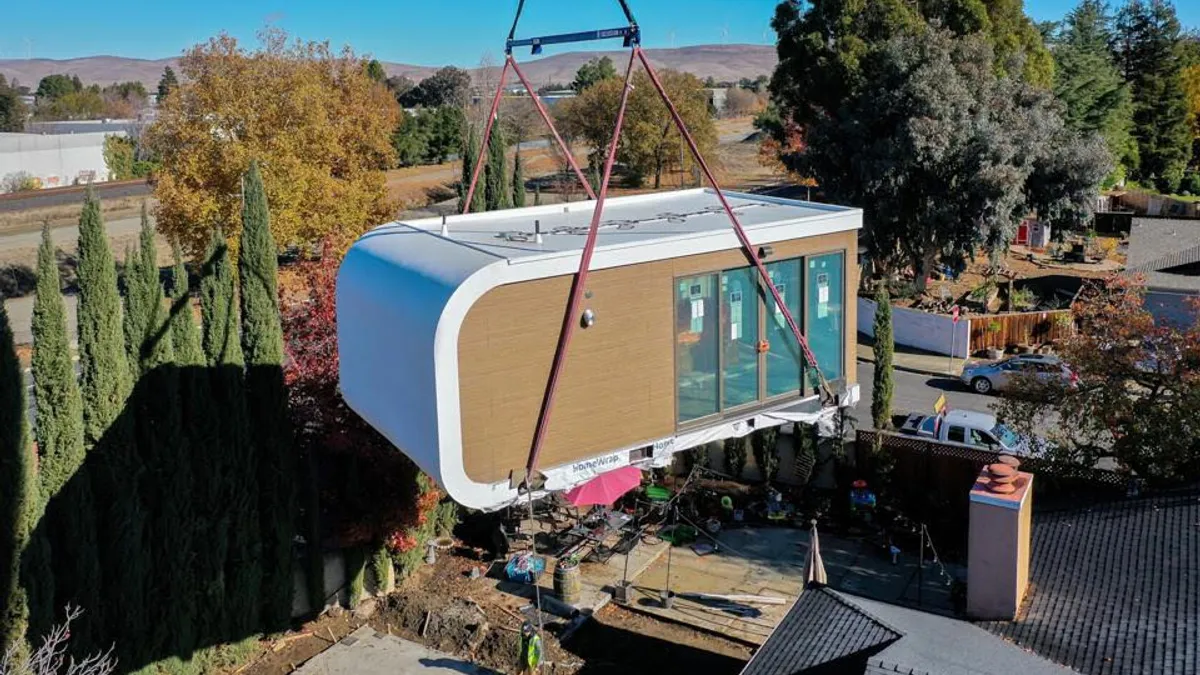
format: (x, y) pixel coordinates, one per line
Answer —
(368, 652)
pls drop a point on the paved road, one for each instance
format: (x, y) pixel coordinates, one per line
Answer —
(917, 393)
(69, 196)
(20, 310)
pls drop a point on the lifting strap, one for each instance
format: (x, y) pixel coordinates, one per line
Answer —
(570, 318)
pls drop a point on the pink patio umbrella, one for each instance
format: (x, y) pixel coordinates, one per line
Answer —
(605, 488)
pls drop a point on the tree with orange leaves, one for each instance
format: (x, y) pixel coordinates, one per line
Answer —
(1136, 395)
(318, 125)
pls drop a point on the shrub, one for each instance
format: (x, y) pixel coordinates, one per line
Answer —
(766, 452)
(20, 181)
(735, 456)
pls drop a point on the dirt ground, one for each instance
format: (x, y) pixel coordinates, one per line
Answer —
(442, 608)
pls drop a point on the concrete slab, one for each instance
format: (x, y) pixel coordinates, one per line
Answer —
(367, 652)
(770, 561)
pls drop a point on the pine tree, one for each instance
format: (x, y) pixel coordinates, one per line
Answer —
(1148, 52)
(18, 494)
(1087, 81)
(202, 444)
(881, 393)
(266, 396)
(65, 483)
(108, 428)
(518, 181)
(499, 194)
(234, 460)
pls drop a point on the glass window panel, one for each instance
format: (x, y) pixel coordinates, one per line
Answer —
(696, 346)
(739, 336)
(825, 312)
(783, 359)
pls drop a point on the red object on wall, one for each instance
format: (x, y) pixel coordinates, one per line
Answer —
(1022, 234)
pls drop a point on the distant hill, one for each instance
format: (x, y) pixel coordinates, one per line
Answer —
(722, 62)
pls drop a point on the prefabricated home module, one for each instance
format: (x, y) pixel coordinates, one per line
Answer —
(447, 330)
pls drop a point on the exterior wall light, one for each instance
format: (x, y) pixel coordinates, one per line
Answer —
(588, 319)
(765, 251)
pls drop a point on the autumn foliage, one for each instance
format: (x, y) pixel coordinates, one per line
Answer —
(1136, 401)
(368, 488)
(318, 125)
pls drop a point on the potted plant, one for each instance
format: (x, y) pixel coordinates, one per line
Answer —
(993, 328)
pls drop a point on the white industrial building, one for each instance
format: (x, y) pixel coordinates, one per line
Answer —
(55, 159)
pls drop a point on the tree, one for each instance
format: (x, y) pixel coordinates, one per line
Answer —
(448, 86)
(59, 646)
(119, 153)
(822, 45)
(518, 181)
(740, 102)
(399, 85)
(940, 152)
(1136, 399)
(167, 83)
(234, 459)
(65, 485)
(375, 71)
(1088, 82)
(428, 136)
(12, 109)
(766, 453)
(469, 153)
(498, 192)
(105, 385)
(735, 456)
(650, 142)
(18, 494)
(1147, 47)
(266, 396)
(882, 384)
(319, 127)
(159, 426)
(53, 87)
(201, 445)
(595, 70)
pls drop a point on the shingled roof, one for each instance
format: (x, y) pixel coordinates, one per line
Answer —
(1115, 588)
(821, 628)
(1156, 245)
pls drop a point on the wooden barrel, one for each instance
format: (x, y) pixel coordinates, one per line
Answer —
(567, 582)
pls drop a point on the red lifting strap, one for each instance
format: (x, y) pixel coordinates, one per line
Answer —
(580, 281)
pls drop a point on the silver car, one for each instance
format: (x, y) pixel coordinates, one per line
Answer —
(985, 378)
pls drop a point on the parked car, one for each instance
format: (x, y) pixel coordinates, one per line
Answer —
(971, 429)
(985, 378)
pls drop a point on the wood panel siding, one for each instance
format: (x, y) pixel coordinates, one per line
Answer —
(618, 384)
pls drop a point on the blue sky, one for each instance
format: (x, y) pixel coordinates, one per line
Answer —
(424, 32)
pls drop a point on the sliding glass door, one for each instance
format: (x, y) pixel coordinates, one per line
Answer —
(739, 336)
(733, 346)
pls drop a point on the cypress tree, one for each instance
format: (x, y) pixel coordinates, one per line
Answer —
(499, 194)
(881, 393)
(202, 444)
(160, 440)
(518, 181)
(65, 484)
(18, 494)
(469, 154)
(266, 397)
(234, 461)
(108, 429)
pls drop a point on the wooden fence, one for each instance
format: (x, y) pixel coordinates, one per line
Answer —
(999, 331)
(932, 481)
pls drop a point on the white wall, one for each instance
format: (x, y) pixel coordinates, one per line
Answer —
(921, 330)
(57, 160)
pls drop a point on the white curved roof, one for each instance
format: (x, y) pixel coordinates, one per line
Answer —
(405, 288)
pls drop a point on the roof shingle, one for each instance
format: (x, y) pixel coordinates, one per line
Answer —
(1115, 588)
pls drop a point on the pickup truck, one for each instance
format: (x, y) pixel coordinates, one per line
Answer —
(970, 429)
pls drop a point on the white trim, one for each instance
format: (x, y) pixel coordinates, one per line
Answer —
(470, 279)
